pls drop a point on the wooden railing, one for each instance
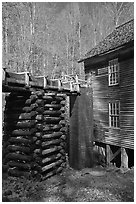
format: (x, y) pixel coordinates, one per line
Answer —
(25, 80)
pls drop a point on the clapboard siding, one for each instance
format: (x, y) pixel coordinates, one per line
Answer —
(103, 94)
(127, 102)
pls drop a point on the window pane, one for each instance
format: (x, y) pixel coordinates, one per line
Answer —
(114, 72)
(111, 108)
(115, 118)
(114, 114)
(111, 121)
(113, 78)
(118, 121)
(117, 108)
(112, 68)
(110, 79)
(115, 67)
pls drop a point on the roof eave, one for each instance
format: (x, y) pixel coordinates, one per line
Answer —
(106, 52)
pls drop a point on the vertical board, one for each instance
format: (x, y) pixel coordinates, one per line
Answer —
(81, 130)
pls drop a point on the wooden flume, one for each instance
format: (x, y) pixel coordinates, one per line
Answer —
(35, 131)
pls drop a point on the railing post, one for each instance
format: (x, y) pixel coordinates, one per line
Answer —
(59, 84)
(4, 75)
(27, 79)
(77, 84)
(44, 82)
(71, 88)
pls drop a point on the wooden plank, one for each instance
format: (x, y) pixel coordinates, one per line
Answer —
(124, 158)
(115, 154)
(108, 154)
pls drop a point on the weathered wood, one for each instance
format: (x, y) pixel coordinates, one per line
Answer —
(39, 93)
(61, 95)
(40, 102)
(62, 109)
(55, 102)
(103, 94)
(52, 165)
(16, 103)
(47, 98)
(34, 106)
(20, 124)
(18, 148)
(51, 150)
(81, 125)
(8, 88)
(48, 128)
(52, 112)
(39, 117)
(19, 140)
(63, 129)
(37, 151)
(17, 156)
(63, 164)
(40, 109)
(35, 165)
(33, 98)
(59, 98)
(38, 134)
(48, 175)
(63, 137)
(63, 103)
(63, 144)
(52, 135)
(4, 168)
(19, 165)
(39, 126)
(38, 142)
(29, 101)
(115, 154)
(59, 170)
(53, 120)
(62, 116)
(17, 109)
(22, 116)
(62, 151)
(34, 139)
(52, 142)
(18, 173)
(108, 154)
(54, 106)
(62, 122)
(124, 158)
(51, 158)
(21, 132)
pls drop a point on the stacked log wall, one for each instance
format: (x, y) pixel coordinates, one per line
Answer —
(19, 125)
(34, 141)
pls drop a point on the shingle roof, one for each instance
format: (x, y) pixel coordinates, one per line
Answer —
(121, 35)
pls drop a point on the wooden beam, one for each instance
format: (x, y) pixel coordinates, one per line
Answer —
(115, 154)
(108, 154)
(124, 158)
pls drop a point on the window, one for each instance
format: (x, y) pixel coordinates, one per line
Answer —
(114, 109)
(113, 72)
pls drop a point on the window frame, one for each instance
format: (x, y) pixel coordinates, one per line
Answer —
(116, 115)
(113, 69)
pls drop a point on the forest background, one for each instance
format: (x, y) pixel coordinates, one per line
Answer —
(48, 38)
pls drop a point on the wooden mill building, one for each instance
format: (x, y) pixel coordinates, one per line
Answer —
(110, 69)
